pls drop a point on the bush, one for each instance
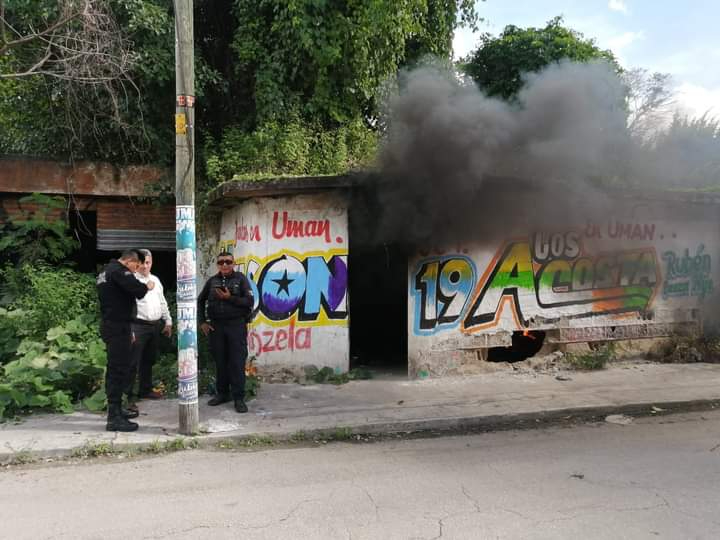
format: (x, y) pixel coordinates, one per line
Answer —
(38, 234)
(682, 349)
(595, 359)
(66, 366)
(291, 148)
(54, 295)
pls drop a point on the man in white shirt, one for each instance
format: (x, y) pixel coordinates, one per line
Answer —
(153, 317)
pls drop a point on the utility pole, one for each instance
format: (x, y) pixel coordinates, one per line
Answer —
(185, 218)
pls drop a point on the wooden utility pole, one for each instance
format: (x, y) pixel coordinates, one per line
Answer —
(185, 217)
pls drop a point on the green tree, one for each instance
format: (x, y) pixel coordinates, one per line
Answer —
(262, 67)
(302, 92)
(499, 63)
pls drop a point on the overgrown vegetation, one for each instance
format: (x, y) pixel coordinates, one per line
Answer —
(681, 349)
(596, 358)
(51, 354)
(327, 375)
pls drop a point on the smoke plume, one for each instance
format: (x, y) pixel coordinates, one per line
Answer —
(454, 159)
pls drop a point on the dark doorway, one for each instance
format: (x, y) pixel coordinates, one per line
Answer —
(377, 285)
(83, 226)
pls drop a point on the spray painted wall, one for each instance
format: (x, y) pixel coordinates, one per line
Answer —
(294, 250)
(643, 272)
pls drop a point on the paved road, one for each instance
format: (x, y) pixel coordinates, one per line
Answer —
(656, 478)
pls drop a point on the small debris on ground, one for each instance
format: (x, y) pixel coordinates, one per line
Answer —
(579, 476)
(655, 409)
(619, 419)
(563, 378)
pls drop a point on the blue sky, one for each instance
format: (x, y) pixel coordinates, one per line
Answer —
(680, 38)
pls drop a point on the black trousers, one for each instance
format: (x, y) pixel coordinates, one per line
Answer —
(117, 338)
(228, 346)
(143, 355)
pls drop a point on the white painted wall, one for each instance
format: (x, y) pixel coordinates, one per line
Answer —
(294, 249)
(648, 264)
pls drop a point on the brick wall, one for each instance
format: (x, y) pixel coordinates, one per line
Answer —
(123, 214)
(120, 213)
(84, 178)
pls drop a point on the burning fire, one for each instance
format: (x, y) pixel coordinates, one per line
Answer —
(526, 333)
(250, 369)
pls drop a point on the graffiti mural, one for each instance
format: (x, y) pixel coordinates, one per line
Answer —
(540, 280)
(687, 275)
(294, 251)
(442, 289)
(308, 288)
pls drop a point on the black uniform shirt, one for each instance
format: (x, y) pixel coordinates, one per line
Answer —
(237, 307)
(118, 289)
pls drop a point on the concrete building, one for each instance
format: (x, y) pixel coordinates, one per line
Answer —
(644, 270)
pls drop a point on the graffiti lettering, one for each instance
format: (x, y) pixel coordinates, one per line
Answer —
(247, 233)
(291, 228)
(311, 288)
(688, 275)
(631, 231)
(547, 277)
(587, 286)
(279, 339)
(442, 288)
(566, 246)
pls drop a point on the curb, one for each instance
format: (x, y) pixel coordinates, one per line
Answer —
(377, 431)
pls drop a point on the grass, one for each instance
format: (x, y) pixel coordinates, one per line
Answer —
(592, 360)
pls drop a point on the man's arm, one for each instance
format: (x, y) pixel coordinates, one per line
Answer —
(163, 303)
(246, 300)
(129, 283)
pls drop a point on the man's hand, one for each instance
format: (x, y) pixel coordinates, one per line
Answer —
(206, 328)
(132, 338)
(222, 293)
(167, 331)
(150, 285)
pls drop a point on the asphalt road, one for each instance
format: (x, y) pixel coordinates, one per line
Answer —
(655, 478)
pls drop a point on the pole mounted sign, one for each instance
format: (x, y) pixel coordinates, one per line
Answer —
(185, 218)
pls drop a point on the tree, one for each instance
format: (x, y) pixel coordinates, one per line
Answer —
(499, 63)
(303, 78)
(685, 155)
(649, 98)
(65, 74)
(327, 60)
(262, 67)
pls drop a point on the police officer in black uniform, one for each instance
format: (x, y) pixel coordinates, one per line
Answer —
(229, 300)
(118, 289)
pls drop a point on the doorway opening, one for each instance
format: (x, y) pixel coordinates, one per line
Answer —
(83, 226)
(377, 290)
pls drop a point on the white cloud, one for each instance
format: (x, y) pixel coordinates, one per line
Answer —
(618, 5)
(695, 100)
(622, 41)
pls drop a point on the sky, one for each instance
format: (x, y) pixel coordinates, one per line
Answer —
(679, 38)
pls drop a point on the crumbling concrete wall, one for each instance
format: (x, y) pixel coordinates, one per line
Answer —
(642, 273)
(294, 249)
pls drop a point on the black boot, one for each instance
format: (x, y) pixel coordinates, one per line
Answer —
(131, 412)
(240, 406)
(218, 399)
(116, 421)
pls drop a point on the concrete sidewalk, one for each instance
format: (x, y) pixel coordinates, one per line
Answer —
(391, 405)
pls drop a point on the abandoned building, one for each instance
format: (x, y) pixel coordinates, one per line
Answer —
(108, 207)
(640, 271)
